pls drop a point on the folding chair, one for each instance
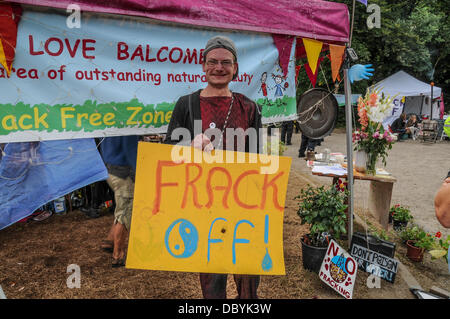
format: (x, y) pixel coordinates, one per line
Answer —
(429, 130)
(440, 129)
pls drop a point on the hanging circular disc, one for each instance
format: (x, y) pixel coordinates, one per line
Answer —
(317, 111)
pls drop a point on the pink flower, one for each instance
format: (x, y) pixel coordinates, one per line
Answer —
(376, 134)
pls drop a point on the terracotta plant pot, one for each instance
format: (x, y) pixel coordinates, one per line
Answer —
(414, 253)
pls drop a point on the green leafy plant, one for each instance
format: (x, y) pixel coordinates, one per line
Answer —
(382, 234)
(276, 144)
(440, 247)
(425, 241)
(418, 237)
(400, 213)
(410, 233)
(324, 210)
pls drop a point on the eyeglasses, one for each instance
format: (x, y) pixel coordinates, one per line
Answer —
(224, 63)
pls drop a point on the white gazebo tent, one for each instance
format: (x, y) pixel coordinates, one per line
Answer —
(412, 96)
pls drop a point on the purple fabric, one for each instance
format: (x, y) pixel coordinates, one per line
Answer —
(321, 20)
(363, 2)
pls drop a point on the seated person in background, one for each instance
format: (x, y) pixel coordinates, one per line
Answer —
(399, 126)
(411, 125)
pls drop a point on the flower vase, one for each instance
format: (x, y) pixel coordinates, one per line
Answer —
(361, 159)
(371, 163)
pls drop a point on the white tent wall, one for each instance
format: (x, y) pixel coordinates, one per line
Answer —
(420, 105)
(403, 86)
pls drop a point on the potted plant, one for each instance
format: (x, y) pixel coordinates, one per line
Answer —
(400, 216)
(440, 248)
(409, 233)
(323, 209)
(416, 248)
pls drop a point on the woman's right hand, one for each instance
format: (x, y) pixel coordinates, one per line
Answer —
(202, 142)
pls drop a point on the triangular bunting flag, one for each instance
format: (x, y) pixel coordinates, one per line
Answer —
(313, 49)
(364, 2)
(3, 59)
(297, 70)
(313, 75)
(9, 21)
(336, 58)
(284, 45)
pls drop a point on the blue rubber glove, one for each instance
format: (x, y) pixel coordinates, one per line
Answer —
(359, 72)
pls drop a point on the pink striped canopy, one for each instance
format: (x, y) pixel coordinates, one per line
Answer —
(315, 19)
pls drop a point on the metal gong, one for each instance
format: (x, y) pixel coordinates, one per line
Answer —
(317, 111)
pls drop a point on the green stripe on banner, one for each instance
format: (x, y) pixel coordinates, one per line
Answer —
(89, 116)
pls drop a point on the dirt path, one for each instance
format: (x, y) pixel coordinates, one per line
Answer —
(34, 257)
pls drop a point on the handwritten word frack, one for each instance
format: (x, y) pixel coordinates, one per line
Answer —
(207, 217)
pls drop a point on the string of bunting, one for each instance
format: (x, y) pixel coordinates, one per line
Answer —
(313, 48)
(10, 17)
(9, 21)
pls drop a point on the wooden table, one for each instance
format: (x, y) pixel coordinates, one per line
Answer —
(379, 196)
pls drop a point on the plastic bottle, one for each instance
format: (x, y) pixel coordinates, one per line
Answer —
(60, 206)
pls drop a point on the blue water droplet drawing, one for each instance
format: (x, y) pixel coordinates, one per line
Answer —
(267, 261)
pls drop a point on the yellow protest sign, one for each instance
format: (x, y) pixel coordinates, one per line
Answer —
(205, 214)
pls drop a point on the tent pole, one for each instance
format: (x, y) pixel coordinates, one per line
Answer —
(351, 28)
(421, 105)
(348, 125)
(431, 101)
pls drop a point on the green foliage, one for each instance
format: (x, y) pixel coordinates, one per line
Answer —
(440, 248)
(381, 234)
(377, 233)
(418, 237)
(410, 233)
(400, 213)
(425, 241)
(413, 36)
(324, 210)
(277, 144)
